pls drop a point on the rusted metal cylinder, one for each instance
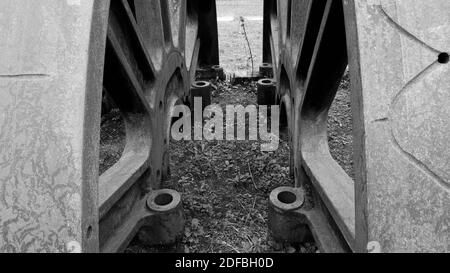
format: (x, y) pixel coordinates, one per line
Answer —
(266, 70)
(201, 89)
(167, 226)
(212, 72)
(266, 91)
(285, 224)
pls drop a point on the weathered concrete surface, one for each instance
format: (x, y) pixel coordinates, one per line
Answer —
(402, 109)
(51, 65)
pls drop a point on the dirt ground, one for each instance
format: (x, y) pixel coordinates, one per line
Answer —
(340, 128)
(225, 185)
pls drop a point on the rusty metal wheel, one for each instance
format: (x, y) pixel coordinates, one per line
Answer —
(60, 53)
(152, 53)
(297, 39)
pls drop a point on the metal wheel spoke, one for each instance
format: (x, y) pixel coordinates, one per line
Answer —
(192, 44)
(299, 19)
(309, 71)
(154, 28)
(332, 183)
(177, 11)
(316, 13)
(326, 60)
(130, 31)
(209, 41)
(134, 99)
(284, 13)
(127, 90)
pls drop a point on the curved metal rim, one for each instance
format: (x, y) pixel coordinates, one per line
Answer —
(299, 195)
(151, 201)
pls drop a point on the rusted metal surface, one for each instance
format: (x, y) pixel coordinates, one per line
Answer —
(266, 91)
(55, 57)
(266, 70)
(161, 44)
(201, 90)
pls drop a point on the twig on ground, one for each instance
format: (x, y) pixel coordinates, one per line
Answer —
(251, 175)
(249, 212)
(248, 43)
(230, 246)
(262, 218)
(242, 205)
(232, 226)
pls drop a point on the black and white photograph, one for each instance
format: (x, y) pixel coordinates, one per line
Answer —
(221, 135)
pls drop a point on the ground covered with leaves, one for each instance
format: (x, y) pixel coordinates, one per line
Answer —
(225, 187)
(225, 184)
(340, 128)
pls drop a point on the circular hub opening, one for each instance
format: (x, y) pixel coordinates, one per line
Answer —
(287, 197)
(266, 81)
(163, 199)
(200, 84)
